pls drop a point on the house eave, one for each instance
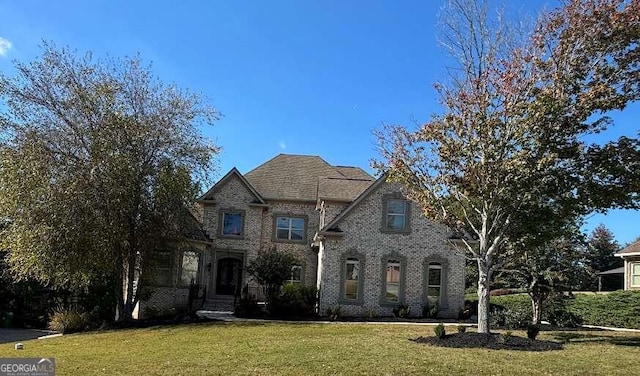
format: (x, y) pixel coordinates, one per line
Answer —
(205, 242)
(337, 234)
(258, 205)
(627, 254)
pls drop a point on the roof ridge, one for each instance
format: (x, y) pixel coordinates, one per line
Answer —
(344, 178)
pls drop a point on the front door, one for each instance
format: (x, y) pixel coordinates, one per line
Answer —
(228, 276)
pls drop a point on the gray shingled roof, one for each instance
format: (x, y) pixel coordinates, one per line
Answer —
(353, 172)
(295, 177)
(341, 189)
(632, 248)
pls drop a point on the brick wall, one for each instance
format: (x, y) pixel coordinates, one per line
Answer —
(362, 235)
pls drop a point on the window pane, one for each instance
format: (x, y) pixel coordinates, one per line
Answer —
(393, 272)
(297, 234)
(352, 270)
(282, 234)
(435, 276)
(635, 269)
(282, 222)
(351, 290)
(160, 266)
(189, 272)
(433, 295)
(297, 223)
(296, 274)
(635, 280)
(393, 292)
(395, 206)
(232, 224)
(395, 222)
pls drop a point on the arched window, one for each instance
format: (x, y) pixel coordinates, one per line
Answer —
(392, 282)
(434, 282)
(351, 278)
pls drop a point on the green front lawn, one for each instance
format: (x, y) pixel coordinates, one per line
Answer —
(303, 349)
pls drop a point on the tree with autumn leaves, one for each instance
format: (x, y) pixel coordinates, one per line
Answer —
(508, 150)
(98, 162)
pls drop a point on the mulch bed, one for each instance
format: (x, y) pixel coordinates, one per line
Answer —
(493, 341)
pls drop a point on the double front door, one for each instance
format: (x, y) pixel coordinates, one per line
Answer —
(228, 276)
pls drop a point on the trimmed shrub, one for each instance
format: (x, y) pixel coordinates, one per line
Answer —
(248, 307)
(334, 312)
(65, 320)
(512, 316)
(402, 311)
(295, 300)
(617, 309)
(439, 331)
(532, 331)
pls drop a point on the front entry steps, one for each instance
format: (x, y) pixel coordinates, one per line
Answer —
(217, 308)
(219, 303)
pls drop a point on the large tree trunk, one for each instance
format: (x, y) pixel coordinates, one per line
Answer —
(484, 279)
(124, 290)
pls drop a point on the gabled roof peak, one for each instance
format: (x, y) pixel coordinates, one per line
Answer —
(233, 172)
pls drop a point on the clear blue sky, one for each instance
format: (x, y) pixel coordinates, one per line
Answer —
(304, 77)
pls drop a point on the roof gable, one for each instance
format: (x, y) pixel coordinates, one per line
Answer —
(630, 250)
(341, 189)
(225, 179)
(372, 188)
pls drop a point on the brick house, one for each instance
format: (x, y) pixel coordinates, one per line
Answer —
(631, 256)
(366, 248)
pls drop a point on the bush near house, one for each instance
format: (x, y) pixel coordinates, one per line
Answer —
(617, 309)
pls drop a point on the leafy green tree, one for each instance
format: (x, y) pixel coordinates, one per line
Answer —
(600, 251)
(98, 161)
(545, 262)
(510, 142)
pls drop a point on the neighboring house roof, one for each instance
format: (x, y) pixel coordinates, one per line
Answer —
(295, 177)
(337, 189)
(619, 270)
(632, 249)
(233, 173)
(193, 229)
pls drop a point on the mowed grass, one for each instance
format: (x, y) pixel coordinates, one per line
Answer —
(321, 349)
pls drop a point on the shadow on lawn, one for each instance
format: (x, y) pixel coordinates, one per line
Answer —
(492, 341)
(597, 337)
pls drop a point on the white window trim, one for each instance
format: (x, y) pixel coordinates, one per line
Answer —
(632, 274)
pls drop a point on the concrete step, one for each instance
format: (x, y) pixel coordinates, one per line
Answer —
(218, 305)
